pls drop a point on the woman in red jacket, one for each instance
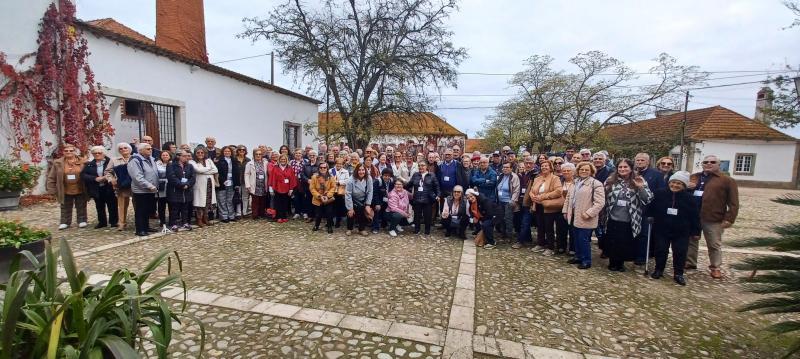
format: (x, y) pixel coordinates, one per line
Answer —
(282, 181)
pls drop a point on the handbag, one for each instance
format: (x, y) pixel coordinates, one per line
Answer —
(123, 178)
(480, 239)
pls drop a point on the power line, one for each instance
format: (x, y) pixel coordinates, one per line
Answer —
(241, 58)
(766, 72)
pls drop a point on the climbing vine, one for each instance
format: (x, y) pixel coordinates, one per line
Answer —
(59, 91)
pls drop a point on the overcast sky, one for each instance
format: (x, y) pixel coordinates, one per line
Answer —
(716, 35)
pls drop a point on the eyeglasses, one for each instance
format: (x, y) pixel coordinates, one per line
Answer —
(666, 163)
(709, 162)
(97, 153)
(558, 163)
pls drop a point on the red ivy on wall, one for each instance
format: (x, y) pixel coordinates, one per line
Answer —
(59, 91)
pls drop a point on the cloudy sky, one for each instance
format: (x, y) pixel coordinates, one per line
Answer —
(743, 39)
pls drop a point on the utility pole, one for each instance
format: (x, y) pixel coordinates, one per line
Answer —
(683, 130)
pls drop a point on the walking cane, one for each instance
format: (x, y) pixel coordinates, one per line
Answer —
(647, 252)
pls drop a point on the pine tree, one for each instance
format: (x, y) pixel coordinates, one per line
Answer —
(777, 276)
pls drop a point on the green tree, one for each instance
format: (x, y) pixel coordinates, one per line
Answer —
(374, 56)
(777, 276)
(785, 110)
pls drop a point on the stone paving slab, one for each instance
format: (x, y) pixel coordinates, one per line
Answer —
(409, 279)
(236, 334)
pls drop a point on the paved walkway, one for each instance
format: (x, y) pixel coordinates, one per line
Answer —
(268, 290)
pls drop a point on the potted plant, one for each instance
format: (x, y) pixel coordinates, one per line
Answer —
(50, 315)
(15, 176)
(16, 237)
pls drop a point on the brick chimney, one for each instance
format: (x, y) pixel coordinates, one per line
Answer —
(180, 27)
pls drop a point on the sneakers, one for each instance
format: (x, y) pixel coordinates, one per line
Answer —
(538, 248)
(187, 227)
(547, 252)
(305, 216)
(173, 228)
(63, 226)
(374, 231)
(400, 229)
(516, 246)
(393, 233)
(82, 225)
(488, 246)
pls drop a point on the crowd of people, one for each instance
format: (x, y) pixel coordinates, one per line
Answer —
(637, 209)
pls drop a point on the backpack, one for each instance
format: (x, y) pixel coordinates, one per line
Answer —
(123, 177)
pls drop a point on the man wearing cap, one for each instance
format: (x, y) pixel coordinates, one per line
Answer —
(485, 179)
(717, 197)
(497, 162)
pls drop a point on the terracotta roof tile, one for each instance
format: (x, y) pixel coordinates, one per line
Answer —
(395, 123)
(117, 28)
(706, 123)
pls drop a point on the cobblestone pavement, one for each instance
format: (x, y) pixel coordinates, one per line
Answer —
(410, 280)
(235, 334)
(525, 305)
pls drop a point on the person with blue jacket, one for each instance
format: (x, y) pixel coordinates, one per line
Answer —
(485, 179)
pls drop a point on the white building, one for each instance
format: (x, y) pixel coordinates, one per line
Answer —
(751, 152)
(165, 87)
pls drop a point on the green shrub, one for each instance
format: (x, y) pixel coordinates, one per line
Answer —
(15, 234)
(41, 318)
(16, 176)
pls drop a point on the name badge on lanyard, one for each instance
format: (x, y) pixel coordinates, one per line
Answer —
(622, 203)
(71, 177)
(184, 180)
(698, 193)
(260, 177)
(672, 211)
(285, 180)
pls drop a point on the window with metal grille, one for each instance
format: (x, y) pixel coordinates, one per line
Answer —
(745, 164)
(155, 120)
(291, 135)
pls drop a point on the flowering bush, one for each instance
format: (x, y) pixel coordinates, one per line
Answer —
(15, 234)
(16, 176)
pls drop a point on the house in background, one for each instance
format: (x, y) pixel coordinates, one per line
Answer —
(476, 144)
(751, 152)
(414, 132)
(165, 87)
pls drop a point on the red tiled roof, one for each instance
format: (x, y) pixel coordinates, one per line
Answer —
(117, 28)
(706, 123)
(395, 123)
(116, 34)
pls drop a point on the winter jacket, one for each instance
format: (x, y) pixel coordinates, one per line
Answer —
(485, 181)
(585, 196)
(447, 176)
(720, 197)
(222, 168)
(399, 202)
(178, 189)
(463, 176)
(548, 188)
(358, 193)
(250, 176)
(144, 176)
(88, 175)
(282, 180)
(380, 191)
(319, 186)
(654, 179)
(674, 214)
(202, 174)
(430, 188)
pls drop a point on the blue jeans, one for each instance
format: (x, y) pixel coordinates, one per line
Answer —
(524, 235)
(488, 230)
(583, 245)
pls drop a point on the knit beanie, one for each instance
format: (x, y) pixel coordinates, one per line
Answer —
(682, 176)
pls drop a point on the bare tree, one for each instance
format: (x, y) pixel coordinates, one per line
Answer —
(571, 108)
(374, 56)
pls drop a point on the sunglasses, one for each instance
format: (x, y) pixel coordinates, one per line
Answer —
(709, 162)
(666, 163)
(97, 153)
(558, 163)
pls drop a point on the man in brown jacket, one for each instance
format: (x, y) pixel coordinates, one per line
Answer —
(717, 196)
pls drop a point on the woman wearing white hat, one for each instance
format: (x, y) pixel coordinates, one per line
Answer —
(676, 219)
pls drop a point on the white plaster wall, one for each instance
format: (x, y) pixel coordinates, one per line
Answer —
(19, 28)
(774, 160)
(230, 110)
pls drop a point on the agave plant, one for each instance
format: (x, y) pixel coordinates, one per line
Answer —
(44, 318)
(777, 276)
